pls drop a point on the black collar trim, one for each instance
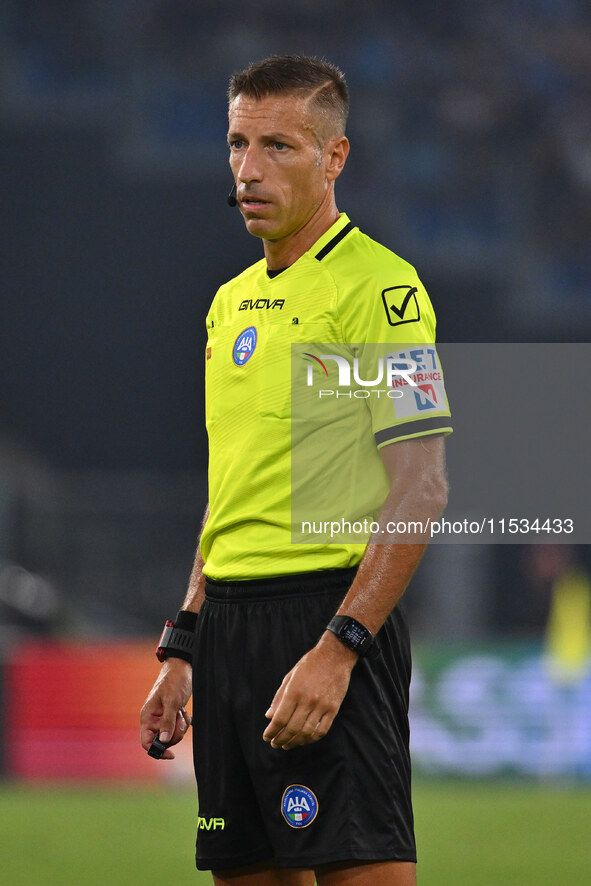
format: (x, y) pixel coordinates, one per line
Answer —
(335, 241)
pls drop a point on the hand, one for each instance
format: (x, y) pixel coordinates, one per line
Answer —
(310, 695)
(163, 713)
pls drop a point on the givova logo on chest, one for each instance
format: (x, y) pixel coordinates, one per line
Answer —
(267, 304)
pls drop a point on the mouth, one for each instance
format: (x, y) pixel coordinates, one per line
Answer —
(252, 201)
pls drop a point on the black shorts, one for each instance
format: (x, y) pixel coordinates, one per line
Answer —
(346, 797)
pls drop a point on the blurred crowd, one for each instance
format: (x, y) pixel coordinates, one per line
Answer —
(471, 122)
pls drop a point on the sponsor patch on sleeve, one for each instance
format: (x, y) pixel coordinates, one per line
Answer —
(420, 386)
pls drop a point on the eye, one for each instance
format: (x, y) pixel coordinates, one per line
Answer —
(279, 146)
(236, 144)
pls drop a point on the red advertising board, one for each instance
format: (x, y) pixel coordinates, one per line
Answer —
(72, 711)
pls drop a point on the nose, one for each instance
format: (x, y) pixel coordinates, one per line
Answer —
(250, 169)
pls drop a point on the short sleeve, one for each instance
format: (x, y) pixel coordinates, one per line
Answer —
(388, 319)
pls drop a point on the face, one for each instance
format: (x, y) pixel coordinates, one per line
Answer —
(283, 175)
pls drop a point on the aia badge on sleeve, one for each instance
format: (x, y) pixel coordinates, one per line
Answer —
(299, 806)
(244, 346)
(401, 304)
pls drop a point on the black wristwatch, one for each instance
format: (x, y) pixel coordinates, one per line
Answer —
(352, 633)
(178, 637)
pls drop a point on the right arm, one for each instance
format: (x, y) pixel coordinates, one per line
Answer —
(163, 713)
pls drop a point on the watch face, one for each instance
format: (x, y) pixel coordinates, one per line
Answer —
(354, 635)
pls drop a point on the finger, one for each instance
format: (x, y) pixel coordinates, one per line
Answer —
(164, 751)
(180, 729)
(183, 721)
(167, 725)
(288, 722)
(323, 726)
(277, 699)
(312, 730)
(149, 723)
(292, 730)
(147, 736)
(181, 726)
(279, 720)
(304, 735)
(154, 728)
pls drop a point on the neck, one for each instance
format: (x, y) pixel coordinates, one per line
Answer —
(285, 252)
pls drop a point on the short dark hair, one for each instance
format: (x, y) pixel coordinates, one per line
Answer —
(307, 75)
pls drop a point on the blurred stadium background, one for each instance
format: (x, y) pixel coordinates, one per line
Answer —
(471, 135)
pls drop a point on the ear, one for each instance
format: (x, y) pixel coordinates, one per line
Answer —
(336, 153)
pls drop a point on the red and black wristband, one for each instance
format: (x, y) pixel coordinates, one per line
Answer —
(178, 637)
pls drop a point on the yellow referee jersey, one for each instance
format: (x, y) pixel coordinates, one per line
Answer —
(308, 373)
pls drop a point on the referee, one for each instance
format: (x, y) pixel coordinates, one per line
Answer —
(299, 644)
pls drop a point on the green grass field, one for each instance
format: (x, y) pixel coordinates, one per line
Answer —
(470, 834)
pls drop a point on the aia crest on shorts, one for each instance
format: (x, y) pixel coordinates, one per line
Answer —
(299, 806)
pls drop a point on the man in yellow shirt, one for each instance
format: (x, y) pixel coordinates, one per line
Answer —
(298, 644)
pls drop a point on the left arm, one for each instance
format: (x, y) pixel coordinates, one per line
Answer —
(311, 694)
